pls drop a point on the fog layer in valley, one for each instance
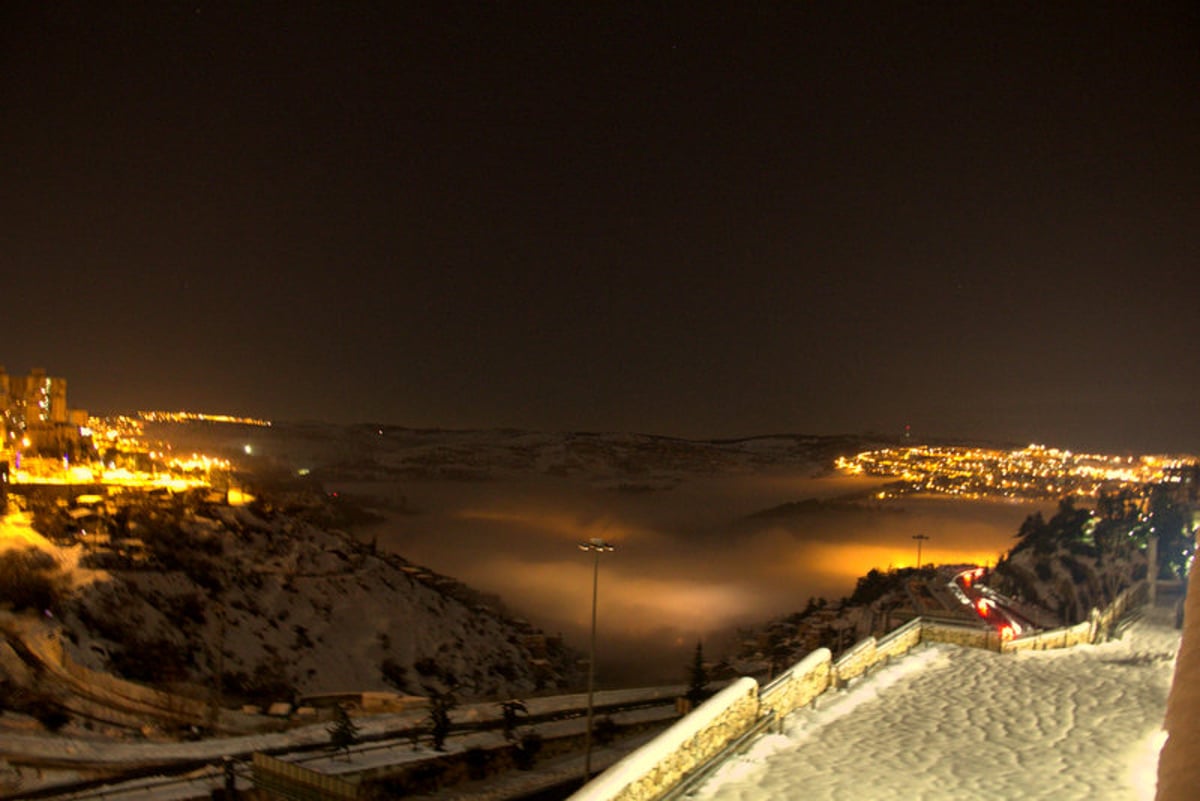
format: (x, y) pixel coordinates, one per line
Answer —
(692, 562)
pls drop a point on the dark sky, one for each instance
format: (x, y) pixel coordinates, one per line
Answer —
(980, 219)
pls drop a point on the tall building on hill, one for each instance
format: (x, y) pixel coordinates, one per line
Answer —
(34, 407)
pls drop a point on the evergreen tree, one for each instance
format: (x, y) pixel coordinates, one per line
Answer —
(343, 732)
(439, 717)
(509, 711)
(697, 678)
(1170, 521)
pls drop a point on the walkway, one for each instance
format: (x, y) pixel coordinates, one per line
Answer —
(952, 723)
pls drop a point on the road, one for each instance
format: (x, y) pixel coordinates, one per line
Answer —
(990, 606)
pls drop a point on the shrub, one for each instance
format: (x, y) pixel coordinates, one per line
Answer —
(154, 658)
(527, 750)
(509, 712)
(394, 673)
(343, 732)
(478, 761)
(30, 579)
(439, 718)
(604, 730)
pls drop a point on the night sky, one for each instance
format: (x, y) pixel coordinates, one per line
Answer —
(980, 219)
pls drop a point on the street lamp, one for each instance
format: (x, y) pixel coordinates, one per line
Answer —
(919, 538)
(597, 546)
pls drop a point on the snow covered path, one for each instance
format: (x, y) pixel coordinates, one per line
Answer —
(956, 723)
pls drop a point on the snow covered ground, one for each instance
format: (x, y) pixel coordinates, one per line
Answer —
(949, 722)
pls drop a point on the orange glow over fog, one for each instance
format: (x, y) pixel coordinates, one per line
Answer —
(853, 560)
(689, 562)
(635, 605)
(563, 526)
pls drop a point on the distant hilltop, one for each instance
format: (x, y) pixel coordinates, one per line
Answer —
(646, 463)
(628, 462)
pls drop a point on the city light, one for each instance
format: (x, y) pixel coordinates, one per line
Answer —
(1032, 472)
(201, 417)
(123, 457)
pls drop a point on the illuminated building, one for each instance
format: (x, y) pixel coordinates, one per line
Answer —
(33, 410)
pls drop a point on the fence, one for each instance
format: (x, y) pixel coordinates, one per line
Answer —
(299, 783)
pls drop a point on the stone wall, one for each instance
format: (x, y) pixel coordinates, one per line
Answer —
(1097, 628)
(1057, 638)
(870, 652)
(900, 641)
(800, 684)
(855, 661)
(966, 636)
(660, 764)
(1106, 619)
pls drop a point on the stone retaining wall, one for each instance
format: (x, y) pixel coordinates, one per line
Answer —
(966, 636)
(800, 684)
(1057, 638)
(900, 641)
(870, 652)
(1131, 597)
(855, 661)
(659, 765)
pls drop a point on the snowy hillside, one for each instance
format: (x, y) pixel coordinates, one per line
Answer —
(283, 606)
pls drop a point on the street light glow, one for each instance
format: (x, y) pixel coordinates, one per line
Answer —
(919, 538)
(596, 546)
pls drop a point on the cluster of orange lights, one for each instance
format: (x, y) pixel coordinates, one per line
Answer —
(127, 459)
(1031, 472)
(201, 417)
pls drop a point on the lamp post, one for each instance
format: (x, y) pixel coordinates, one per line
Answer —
(596, 546)
(919, 538)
